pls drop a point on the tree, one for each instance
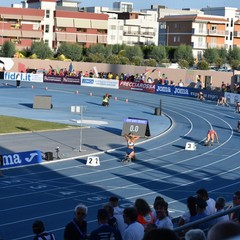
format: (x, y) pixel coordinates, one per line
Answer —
(133, 51)
(113, 59)
(99, 49)
(150, 62)
(8, 49)
(234, 54)
(158, 53)
(211, 55)
(71, 50)
(203, 65)
(184, 52)
(41, 49)
(183, 63)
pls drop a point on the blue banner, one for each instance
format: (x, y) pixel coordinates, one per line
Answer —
(163, 89)
(21, 159)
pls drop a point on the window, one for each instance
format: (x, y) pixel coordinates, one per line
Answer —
(231, 35)
(47, 13)
(113, 27)
(46, 28)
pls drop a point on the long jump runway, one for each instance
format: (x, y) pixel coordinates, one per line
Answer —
(51, 191)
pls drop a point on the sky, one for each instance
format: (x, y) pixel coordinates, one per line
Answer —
(143, 4)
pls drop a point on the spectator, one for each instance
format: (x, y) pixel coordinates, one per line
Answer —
(223, 87)
(118, 213)
(145, 215)
(220, 205)
(195, 234)
(201, 207)
(199, 84)
(114, 201)
(202, 193)
(161, 234)
(112, 221)
(104, 231)
(224, 230)
(191, 212)
(163, 220)
(157, 198)
(77, 228)
(134, 230)
(39, 229)
(236, 202)
(181, 84)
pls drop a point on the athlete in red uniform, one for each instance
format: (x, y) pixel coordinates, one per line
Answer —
(211, 137)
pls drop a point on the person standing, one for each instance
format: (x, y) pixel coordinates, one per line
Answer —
(130, 153)
(104, 231)
(39, 230)
(77, 228)
(134, 230)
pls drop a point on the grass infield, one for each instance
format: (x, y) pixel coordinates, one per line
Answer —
(21, 125)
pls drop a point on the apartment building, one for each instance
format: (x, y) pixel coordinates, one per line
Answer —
(215, 28)
(199, 31)
(21, 26)
(54, 22)
(129, 27)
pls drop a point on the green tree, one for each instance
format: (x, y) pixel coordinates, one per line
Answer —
(233, 54)
(183, 63)
(203, 65)
(96, 48)
(150, 62)
(137, 61)
(41, 49)
(158, 53)
(97, 58)
(184, 52)
(113, 59)
(133, 51)
(71, 50)
(124, 60)
(8, 49)
(211, 55)
(234, 64)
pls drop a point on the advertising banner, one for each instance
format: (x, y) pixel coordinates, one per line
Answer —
(21, 159)
(99, 82)
(24, 77)
(137, 86)
(232, 98)
(164, 89)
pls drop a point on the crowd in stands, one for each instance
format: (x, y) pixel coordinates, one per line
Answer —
(141, 222)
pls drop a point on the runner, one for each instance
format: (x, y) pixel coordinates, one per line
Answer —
(211, 137)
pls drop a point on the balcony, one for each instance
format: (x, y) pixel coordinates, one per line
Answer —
(217, 33)
(199, 31)
(148, 34)
(131, 33)
(215, 45)
(199, 45)
(237, 34)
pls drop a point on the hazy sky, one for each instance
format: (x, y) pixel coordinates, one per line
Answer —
(139, 4)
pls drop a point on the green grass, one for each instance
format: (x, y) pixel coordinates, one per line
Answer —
(20, 125)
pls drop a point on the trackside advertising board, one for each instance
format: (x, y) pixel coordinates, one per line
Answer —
(99, 82)
(187, 92)
(24, 77)
(21, 159)
(137, 86)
